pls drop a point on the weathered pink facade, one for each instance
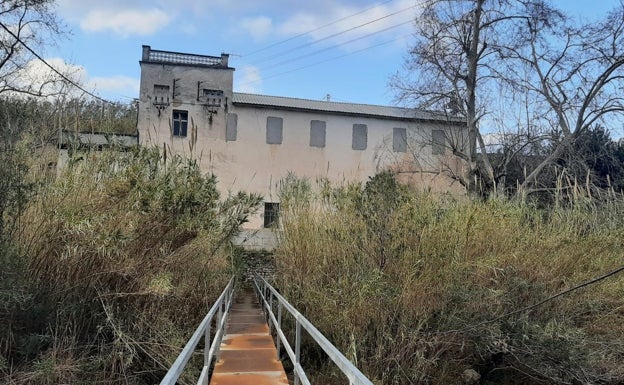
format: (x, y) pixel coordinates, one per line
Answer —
(250, 142)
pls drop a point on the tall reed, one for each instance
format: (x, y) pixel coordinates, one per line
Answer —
(416, 287)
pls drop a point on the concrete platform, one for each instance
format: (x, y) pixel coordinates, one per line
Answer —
(248, 354)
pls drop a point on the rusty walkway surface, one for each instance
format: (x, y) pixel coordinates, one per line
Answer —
(247, 353)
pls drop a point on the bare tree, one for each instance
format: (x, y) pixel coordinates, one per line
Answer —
(26, 25)
(576, 74)
(450, 64)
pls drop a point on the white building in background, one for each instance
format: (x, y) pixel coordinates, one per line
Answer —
(250, 142)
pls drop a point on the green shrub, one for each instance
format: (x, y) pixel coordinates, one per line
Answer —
(415, 287)
(127, 251)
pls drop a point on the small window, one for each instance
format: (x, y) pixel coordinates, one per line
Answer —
(360, 137)
(317, 133)
(271, 214)
(231, 127)
(399, 139)
(161, 94)
(180, 122)
(211, 97)
(274, 130)
(438, 142)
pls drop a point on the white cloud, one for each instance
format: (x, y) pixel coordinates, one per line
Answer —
(125, 22)
(258, 27)
(136, 17)
(39, 76)
(249, 80)
(388, 21)
(118, 84)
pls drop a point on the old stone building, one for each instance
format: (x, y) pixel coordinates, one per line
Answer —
(250, 142)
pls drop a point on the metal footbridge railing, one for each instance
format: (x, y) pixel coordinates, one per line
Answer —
(220, 309)
(275, 307)
(270, 300)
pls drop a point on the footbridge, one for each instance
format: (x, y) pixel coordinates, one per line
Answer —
(243, 338)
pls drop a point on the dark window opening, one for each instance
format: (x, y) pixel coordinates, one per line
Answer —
(271, 214)
(180, 122)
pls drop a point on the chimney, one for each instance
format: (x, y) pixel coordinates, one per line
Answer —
(146, 52)
(224, 59)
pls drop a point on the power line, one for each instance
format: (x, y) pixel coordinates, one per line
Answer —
(325, 61)
(277, 55)
(63, 76)
(418, 3)
(337, 45)
(315, 29)
(540, 303)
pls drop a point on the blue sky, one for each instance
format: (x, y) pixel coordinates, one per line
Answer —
(103, 46)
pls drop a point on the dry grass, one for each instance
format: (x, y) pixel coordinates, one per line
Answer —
(406, 283)
(123, 254)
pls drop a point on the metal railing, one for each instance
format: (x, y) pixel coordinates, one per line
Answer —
(184, 58)
(267, 295)
(221, 309)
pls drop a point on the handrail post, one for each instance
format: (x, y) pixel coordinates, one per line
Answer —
(207, 345)
(278, 327)
(297, 350)
(354, 376)
(270, 309)
(221, 306)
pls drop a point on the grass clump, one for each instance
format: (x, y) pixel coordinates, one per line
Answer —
(416, 288)
(120, 257)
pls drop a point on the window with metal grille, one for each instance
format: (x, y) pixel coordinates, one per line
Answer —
(271, 214)
(180, 122)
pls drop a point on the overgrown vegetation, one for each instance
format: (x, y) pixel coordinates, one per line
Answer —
(415, 288)
(108, 263)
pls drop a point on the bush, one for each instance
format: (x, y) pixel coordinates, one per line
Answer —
(412, 285)
(124, 254)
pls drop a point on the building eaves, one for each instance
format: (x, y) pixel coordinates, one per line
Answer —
(353, 109)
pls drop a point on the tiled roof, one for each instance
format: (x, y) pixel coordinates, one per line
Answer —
(341, 108)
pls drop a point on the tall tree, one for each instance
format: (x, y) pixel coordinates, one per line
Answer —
(448, 67)
(26, 24)
(575, 74)
(469, 53)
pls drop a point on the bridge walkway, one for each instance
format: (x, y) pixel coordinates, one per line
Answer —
(247, 352)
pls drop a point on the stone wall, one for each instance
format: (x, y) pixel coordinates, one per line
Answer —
(262, 263)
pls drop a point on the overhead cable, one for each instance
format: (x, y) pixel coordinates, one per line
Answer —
(342, 32)
(63, 76)
(315, 29)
